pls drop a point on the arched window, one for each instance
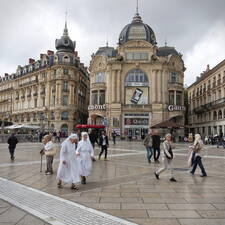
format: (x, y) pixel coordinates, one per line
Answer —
(136, 77)
(64, 130)
(214, 115)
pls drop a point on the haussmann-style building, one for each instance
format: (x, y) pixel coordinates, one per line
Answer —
(52, 92)
(206, 96)
(136, 85)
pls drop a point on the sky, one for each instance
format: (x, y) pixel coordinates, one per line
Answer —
(196, 28)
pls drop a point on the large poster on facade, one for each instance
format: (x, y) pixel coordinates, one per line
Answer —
(136, 95)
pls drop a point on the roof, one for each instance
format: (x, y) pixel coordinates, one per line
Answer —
(167, 124)
(106, 51)
(166, 50)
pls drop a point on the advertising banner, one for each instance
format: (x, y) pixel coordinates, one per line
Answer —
(136, 95)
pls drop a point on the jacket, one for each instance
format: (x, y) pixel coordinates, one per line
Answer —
(148, 141)
(12, 141)
(167, 147)
(156, 141)
(101, 141)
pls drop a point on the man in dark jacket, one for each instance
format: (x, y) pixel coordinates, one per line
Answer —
(12, 141)
(156, 145)
(104, 144)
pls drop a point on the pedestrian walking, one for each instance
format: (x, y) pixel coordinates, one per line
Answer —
(12, 141)
(220, 141)
(49, 151)
(114, 137)
(93, 138)
(58, 135)
(156, 145)
(85, 155)
(148, 144)
(198, 148)
(104, 144)
(69, 171)
(167, 158)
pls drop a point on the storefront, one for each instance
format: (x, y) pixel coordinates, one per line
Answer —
(136, 125)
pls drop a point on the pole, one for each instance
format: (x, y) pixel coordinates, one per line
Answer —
(41, 163)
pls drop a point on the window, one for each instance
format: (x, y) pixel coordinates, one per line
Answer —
(136, 78)
(52, 115)
(65, 100)
(178, 98)
(137, 56)
(171, 98)
(220, 116)
(35, 103)
(65, 72)
(100, 77)
(101, 97)
(174, 77)
(214, 115)
(53, 100)
(43, 101)
(65, 86)
(94, 97)
(64, 116)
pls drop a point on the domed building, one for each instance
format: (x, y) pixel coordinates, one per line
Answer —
(138, 84)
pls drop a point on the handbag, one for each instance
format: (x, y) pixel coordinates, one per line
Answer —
(171, 153)
(51, 152)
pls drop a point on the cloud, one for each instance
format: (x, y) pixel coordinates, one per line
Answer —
(210, 49)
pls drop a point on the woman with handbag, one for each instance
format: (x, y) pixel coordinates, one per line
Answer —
(49, 151)
(167, 157)
(69, 170)
(198, 148)
(85, 153)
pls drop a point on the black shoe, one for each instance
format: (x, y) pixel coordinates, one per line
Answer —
(203, 175)
(191, 173)
(149, 161)
(156, 176)
(173, 179)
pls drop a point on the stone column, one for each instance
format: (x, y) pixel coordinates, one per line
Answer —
(58, 92)
(113, 92)
(47, 94)
(175, 99)
(39, 96)
(164, 87)
(159, 86)
(118, 92)
(153, 86)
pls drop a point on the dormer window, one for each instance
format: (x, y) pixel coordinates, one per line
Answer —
(66, 42)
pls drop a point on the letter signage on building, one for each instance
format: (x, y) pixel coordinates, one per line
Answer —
(97, 107)
(176, 108)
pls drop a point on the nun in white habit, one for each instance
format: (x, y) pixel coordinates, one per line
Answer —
(69, 170)
(85, 154)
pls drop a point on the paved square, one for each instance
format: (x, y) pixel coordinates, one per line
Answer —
(125, 185)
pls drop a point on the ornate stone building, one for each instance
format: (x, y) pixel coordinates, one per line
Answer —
(52, 92)
(136, 85)
(206, 96)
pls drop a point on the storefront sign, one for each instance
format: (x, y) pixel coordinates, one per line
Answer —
(176, 108)
(97, 107)
(136, 121)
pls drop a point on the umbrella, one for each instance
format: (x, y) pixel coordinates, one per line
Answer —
(22, 126)
(167, 124)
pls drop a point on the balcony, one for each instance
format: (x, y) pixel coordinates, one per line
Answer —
(214, 84)
(29, 96)
(35, 94)
(65, 90)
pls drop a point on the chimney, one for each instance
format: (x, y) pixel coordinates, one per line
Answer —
(49, 52)
(208, 68)
(31, 60)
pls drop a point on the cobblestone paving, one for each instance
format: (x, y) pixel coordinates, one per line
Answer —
(125, 186)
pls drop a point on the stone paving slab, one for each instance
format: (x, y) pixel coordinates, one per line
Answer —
(51, 209)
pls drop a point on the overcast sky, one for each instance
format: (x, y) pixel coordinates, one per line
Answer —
(29, 27)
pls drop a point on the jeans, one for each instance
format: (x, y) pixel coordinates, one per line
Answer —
(103, 148)
(156, 151)
(11, 151)
(149, 153)
(198, 161)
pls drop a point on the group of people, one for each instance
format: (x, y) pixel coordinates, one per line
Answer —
(75, 159)
(195, 155)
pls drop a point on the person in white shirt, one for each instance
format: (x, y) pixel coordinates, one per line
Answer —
(48, 146)
(167, 157)
(69, 171)
(85, 155)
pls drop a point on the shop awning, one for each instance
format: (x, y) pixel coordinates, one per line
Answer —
(168, 124)
(90, 126)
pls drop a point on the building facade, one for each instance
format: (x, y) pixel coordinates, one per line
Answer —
(206, 96)
(136, 85)
(52, 92)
